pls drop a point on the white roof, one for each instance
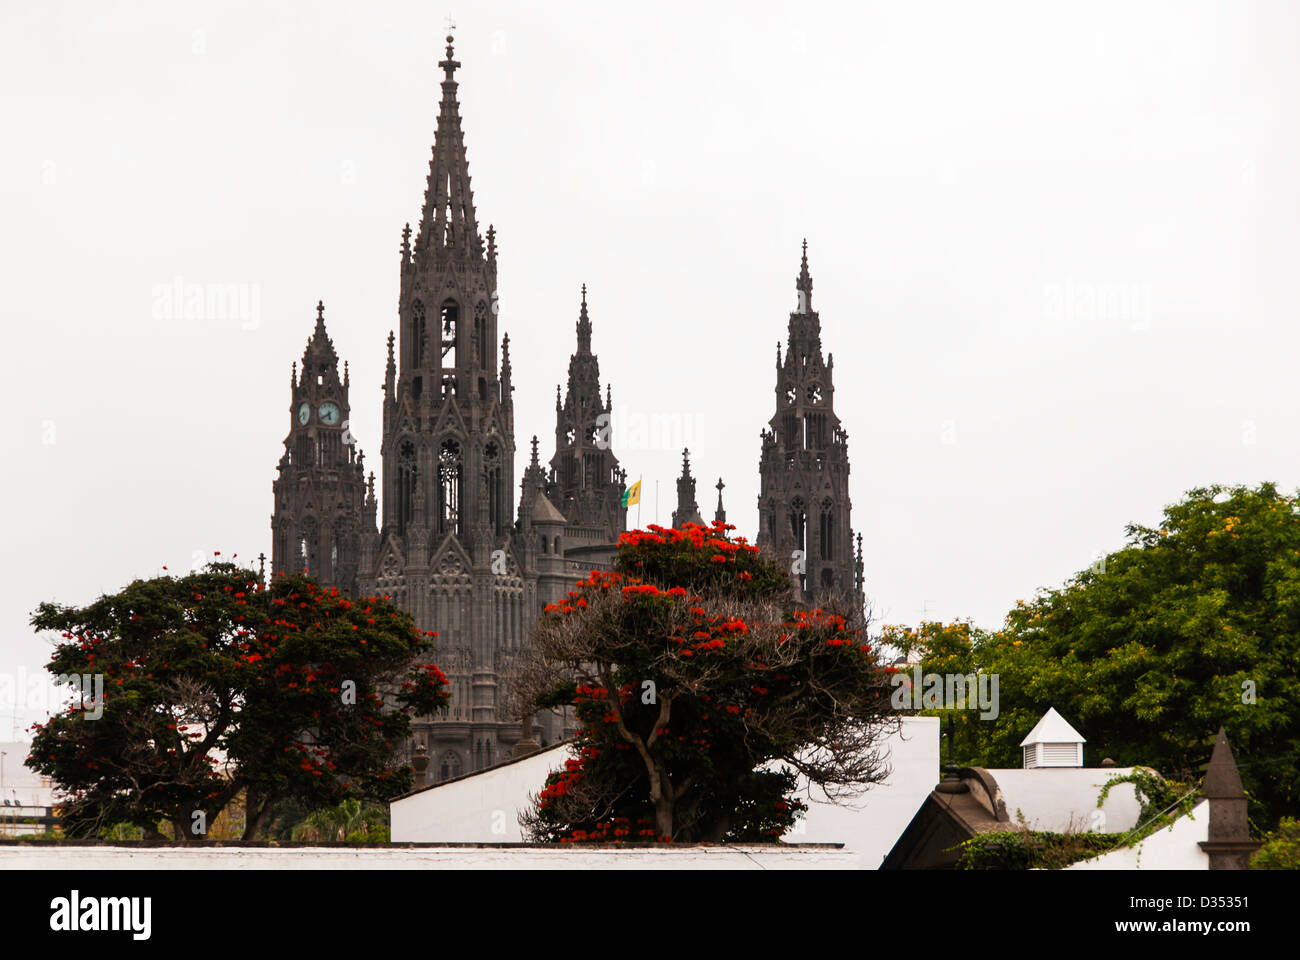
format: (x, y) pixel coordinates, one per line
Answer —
(1052, 729)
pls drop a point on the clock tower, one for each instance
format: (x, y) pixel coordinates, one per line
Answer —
(322, 499)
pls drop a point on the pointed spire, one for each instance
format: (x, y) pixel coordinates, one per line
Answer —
(558, 407)
(390, 370)
(687, 510)
(609, 402)
(720, 514)
(293, 374)
(320, 349)
(505, 367)
(534, 462)
(447, 222)
(803, 284)
(492, 242)
(584, 325)
(1222, 780)
(406, 243)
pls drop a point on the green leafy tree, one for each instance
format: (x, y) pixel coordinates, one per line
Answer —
(690, 676)
(1194, 624)
(215, 683)
(1280, 849)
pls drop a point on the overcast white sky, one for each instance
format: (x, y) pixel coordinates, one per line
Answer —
(1054, 248)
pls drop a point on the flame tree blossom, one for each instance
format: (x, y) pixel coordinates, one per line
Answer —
(216, 683)
(689, 676)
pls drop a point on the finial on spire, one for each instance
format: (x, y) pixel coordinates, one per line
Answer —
(804, 283)
(534, 461)
(492, 242)
(686, 462)
(293, 374)
(320, 320)
(584, 325)
(450, 64)
(720, 514)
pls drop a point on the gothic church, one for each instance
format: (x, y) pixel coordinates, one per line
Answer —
(450, 545)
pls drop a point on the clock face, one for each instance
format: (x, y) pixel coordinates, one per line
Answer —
(329, 412)
(304, 413)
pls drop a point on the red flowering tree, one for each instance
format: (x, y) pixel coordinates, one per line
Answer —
(689, 675)
(215, 684)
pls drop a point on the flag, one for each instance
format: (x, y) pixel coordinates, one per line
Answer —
(632, 494)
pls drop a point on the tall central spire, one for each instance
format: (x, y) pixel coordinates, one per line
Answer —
(447, 223)
(584, 326)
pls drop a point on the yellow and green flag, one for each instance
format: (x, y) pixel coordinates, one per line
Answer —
(632, 494)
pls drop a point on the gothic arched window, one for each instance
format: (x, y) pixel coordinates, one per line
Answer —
(799, 528)
(406, 483)
(416, 351)
(481, 335)
(826, 531)
(492, 469)
(449, 320)
(449, 765)
(308, 540)
(449, 492)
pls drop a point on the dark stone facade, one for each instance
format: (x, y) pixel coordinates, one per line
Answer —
(450, 545)
(803, 500)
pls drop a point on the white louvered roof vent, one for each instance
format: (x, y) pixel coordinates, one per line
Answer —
(1052, 743)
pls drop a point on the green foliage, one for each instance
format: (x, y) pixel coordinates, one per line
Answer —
(217, 684)
(1194, 624)
(349, 821)
(692, 673)
(1280, 849)
(1032, 849)
(1162, 801)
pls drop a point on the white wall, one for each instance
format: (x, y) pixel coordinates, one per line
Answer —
(481, 808)
(739, 857)
(1172, 848)
(870, 825)
(1064, 799)
(485, 807)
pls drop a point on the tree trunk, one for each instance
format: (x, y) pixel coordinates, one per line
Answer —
(256, 807)
(181, 829)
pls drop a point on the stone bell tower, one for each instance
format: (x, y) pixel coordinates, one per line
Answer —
(803, 502)
(446, 549)
(323, 504)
